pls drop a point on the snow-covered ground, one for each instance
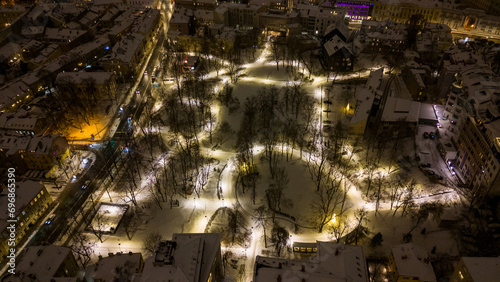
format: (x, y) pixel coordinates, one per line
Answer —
(193, 213)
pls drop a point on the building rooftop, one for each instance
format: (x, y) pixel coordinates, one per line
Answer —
(126, 48)
(63, 34)
(412, 260)
(397, 109)
(334, 262)
(43, 261)
(83, 77)
(485, 269)
(105, 268)
(187, 257)
(366, 95)
(26, 190)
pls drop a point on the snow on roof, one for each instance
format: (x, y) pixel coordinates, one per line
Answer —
(126, 48)
(89, 18)
(45, 54)
(484, 269)
(11, 122)
(338, 25)
(9, 50)
(417, 74)
(365, 97)
(364, 102)
(105, 268)
(427, 112)
(43, 261)
(335, 45)
(81, 77)
(344, 261)
(13, 143)
(193, 253)
(13, 91)
(334, 262)
(144, 23)
(63, 34)
(412, 260)
(397, 109)
(26, 190)
(120, 27)
(31, 31)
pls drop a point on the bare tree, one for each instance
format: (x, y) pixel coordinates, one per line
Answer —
(151, 242)
(129, 221)
(328, 198)
(279, 236)
(423, 212)
(97, 226)
(340, 227)
(261, 216)
(82, 247)
(360, 231)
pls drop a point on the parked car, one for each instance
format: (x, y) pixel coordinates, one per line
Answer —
(424, 165)
(50, 219)
(432, 135)
(426, 135)
(429, 172)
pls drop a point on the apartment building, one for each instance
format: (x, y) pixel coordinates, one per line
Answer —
(46, 263)
(32, 200)
(410, 262)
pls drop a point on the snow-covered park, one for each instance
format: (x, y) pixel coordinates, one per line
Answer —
(259, 162)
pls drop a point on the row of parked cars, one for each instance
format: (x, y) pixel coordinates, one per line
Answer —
(430, 172)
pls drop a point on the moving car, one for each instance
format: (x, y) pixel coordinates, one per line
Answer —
(50, 219)
(85, 184)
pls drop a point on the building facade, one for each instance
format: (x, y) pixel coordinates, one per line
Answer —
(32, 200)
